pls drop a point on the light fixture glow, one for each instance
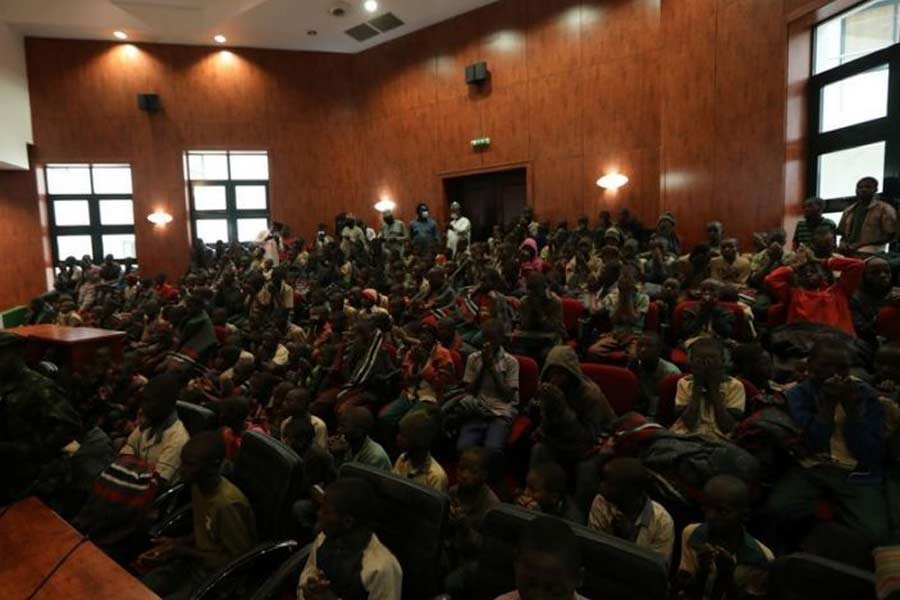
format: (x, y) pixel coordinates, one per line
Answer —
(120, 35)
(612, 181)
(159, 218)
(385, 204)
(370, 5)
(220, 39)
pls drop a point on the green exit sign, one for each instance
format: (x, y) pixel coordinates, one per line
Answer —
(480, 144)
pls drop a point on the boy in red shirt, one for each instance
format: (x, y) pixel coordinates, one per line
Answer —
(814, 296)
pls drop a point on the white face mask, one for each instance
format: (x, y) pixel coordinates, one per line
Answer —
(424, 214)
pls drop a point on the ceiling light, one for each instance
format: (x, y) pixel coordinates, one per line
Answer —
(612, 181)
(385, 204)
(220, 39)
(370, 5)
(312, 32)
(159, 218)
(120, 35)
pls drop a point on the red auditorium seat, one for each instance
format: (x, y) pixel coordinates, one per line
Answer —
(776, 315)
(651, 320)
(889, 323)
(458, 364)
(619, 385)
(572, 310)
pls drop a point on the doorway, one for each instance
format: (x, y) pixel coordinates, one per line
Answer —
(488, 199)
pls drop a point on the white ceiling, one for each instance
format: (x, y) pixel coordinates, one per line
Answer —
(247, 23)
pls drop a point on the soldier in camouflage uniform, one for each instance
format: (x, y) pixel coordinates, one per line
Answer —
(38, 426)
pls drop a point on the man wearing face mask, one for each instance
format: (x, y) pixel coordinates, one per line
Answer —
(322, 237)
(423, 230)
(459, 228)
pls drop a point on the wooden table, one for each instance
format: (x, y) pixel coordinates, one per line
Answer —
(78, 346)
(42, 556)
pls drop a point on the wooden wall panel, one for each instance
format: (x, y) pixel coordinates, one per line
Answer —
(686, 97)
(22, 274)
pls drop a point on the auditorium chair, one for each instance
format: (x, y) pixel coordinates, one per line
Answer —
(269, 474)
(196, 418)
(614, 569)
(619, 385)
(411, 520)
(808, 577)
(889, 323)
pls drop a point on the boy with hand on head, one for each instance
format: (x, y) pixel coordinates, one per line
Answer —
(224, 525)
(417, 432)
(623, 509)
(347, 560)
(548, 562)
(352, 443)
(719, 559)
(708, 402)
(545, 492)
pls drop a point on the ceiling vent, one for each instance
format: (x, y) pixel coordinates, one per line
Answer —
(386, 22)
(339, 9)
(362, 32)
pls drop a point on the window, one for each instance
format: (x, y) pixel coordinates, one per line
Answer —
(91, 211)
(229, 195)
(854, 99)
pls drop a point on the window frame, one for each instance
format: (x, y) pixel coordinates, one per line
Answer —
(95, 228)
(231, 213)
(884, 129)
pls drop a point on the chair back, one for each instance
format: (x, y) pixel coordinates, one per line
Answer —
(808, 577)
(619, 385)
(668, 387)
(614, 569)
(411, 521)
(269, 473)
(196, 418)
(529, 377)
(572, 310)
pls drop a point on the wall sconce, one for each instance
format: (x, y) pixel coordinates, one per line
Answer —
(612, 181)
(385, 204)
(159, 218)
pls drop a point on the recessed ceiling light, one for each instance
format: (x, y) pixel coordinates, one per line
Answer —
(370, 5)
(120, 35)
(220, 39)
(312, 32)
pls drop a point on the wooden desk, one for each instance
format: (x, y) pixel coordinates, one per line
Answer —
(78, 345)
(42, 556)
(33, 540)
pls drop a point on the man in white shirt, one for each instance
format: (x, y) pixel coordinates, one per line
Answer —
(459, 228)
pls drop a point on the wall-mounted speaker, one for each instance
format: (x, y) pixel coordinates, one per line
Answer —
(149, 102)
(477, 73)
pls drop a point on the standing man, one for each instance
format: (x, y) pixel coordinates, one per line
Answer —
(270, 241)
(423, 230)
(459, 228)
(867, 225)
(393, 232)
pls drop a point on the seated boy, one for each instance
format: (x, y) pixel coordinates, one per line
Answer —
(843, 426)
(348, 560)
(808, 289)
(623, 509)
(318, 469)
(730, 268)
(707, 317)
(296, 406)
(224, 525)
(470, 500)
(352, 443)
(548, 562)
(708, 402)
(626, 307)
(719, 559)
(540, 317)
(159, 435)
(492, 387)
(650, 369)
(545, 491)
(417, 432)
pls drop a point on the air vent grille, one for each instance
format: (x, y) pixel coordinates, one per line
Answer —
(362, 32)
(386, 22)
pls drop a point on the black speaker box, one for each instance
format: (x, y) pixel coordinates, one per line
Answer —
(149, 102)
(477, 73)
